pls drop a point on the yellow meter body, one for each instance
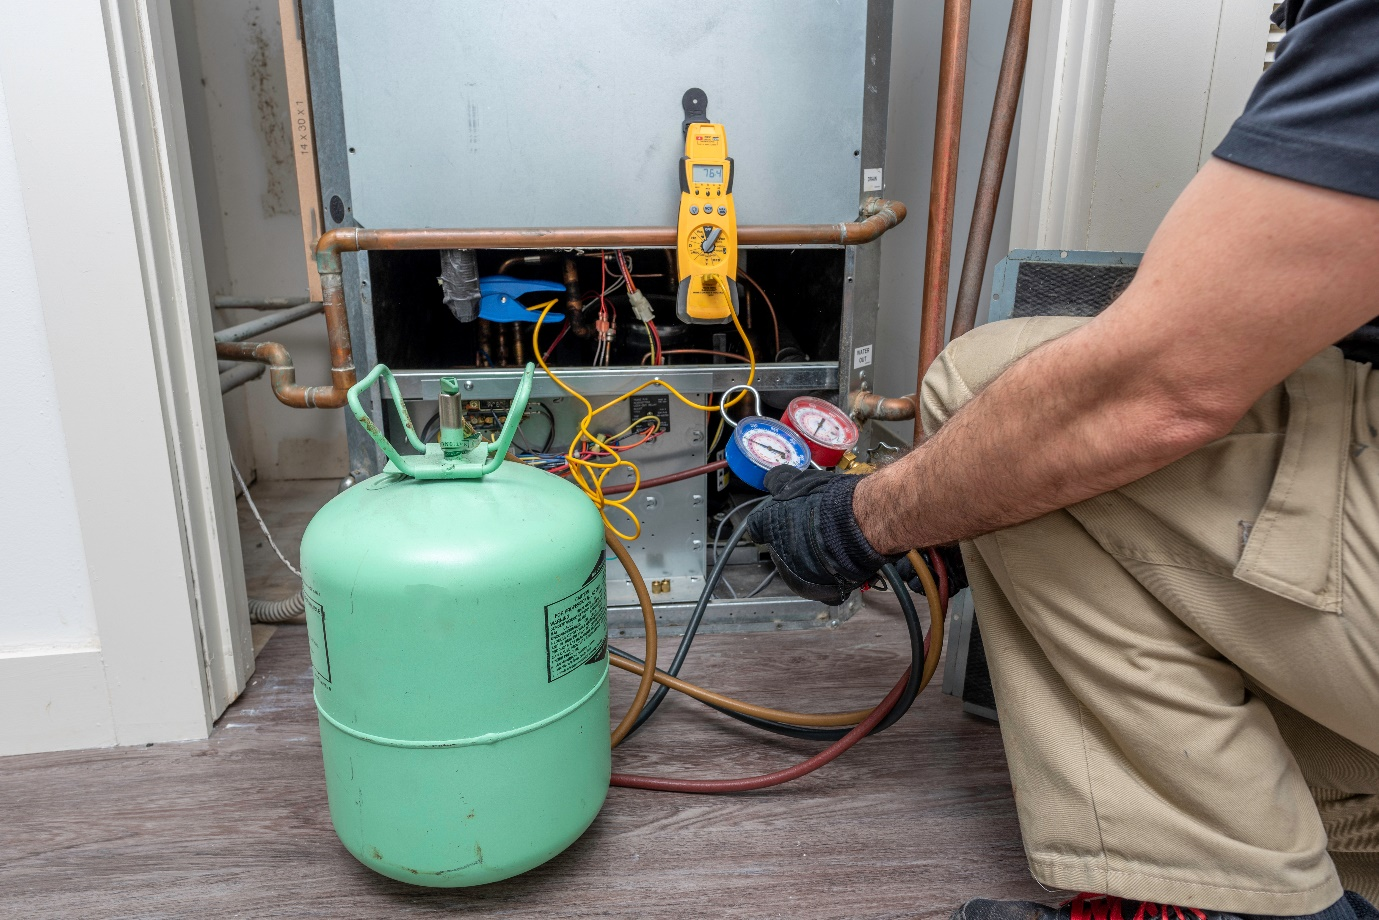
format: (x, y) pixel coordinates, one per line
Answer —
(707, 227)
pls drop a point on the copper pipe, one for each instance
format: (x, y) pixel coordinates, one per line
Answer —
(993, 168)
(283, 375)
(943, 180)
(881, 216)
(882, 408)
(574, 305)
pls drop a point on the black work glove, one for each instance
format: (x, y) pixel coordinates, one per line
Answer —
(952, 560)
(813, 534)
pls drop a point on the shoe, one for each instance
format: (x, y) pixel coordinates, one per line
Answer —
(1109, 907)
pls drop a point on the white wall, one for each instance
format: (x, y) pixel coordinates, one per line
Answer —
(43, 576)
(909, 157)
(118, 572)
(239, 127)
(1124, 102)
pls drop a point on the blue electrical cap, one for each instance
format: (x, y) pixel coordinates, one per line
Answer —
(761, 444)
(498, 301)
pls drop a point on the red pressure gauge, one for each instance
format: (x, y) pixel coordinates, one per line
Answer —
(825, 428)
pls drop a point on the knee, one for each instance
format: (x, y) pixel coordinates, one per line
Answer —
(972, 361)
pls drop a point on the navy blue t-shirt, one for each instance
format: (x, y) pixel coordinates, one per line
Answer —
(1314, 115)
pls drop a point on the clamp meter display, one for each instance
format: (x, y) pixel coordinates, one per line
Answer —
(707, 227)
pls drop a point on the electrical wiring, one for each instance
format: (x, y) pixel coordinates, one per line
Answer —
(770, 577)
(700, 351)
(589, 475)
(770, 308)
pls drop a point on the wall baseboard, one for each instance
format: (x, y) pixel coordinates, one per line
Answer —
(55, 700)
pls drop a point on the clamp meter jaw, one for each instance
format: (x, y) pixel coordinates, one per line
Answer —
(707, 228)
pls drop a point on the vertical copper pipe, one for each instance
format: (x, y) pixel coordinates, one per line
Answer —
(943, 181)
(993, 168)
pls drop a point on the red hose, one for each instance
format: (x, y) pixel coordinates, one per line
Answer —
(749, 783)
(668, 479)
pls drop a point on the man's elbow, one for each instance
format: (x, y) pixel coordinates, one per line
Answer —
(1182, 422)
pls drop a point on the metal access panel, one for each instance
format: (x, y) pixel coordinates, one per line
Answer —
(552, 113)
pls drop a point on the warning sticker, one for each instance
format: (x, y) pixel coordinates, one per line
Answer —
(577, 627)
(316, 638)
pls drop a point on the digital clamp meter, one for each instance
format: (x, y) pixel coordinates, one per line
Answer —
(706, 232)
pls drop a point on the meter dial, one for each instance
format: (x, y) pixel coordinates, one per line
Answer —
(705, 244)
(761, 444)
(825, 428)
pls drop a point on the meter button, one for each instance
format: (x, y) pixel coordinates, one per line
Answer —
(722, 211)
(694, 209)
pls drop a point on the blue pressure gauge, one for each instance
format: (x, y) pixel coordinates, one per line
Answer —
(761, 444)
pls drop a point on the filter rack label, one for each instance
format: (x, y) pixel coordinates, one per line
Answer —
(577, 627)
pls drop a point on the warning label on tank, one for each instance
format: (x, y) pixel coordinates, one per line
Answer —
(316, 638)
(577, 627)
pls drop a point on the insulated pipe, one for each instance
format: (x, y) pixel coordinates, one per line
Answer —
(267, 323)
(993, 168)
(257, 303)
(238, 375)
(943, 180)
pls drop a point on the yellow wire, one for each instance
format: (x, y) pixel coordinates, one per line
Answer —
(590, 474)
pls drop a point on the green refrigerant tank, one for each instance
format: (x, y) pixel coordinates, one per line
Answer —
(458, 622)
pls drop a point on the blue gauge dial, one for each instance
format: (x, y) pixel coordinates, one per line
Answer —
(760, 444)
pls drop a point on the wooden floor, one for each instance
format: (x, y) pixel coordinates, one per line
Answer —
(907, 824)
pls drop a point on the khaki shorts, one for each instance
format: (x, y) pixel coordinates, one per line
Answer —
(1187, 668)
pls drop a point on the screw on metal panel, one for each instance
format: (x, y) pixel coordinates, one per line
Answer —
(696, 544)
(469, 384)
(832, 624)
(651, 502)
(696, 436)
(696, 499)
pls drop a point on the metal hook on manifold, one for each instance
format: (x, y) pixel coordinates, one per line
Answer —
(723, 401)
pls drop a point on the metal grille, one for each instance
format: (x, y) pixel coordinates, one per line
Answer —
(1053, 289)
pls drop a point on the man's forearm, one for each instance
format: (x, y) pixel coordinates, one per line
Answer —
(1225, 305)
(1057, 427)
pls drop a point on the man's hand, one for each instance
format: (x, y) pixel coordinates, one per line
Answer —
(814, 539)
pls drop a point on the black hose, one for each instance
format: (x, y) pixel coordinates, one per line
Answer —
(902, 705)
(691, 627)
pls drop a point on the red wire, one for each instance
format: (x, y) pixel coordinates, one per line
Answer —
(631, 288)
(546, 355)
(656, 337)
(704, 351)
(749, 783)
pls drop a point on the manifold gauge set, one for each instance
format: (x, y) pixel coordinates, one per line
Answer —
(811, 432)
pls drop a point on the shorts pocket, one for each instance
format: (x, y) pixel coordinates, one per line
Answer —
(1293, 548)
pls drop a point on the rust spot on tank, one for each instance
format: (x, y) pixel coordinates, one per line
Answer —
(373, 851)
(470, 816)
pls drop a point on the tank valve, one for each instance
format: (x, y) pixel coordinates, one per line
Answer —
(457, 435)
